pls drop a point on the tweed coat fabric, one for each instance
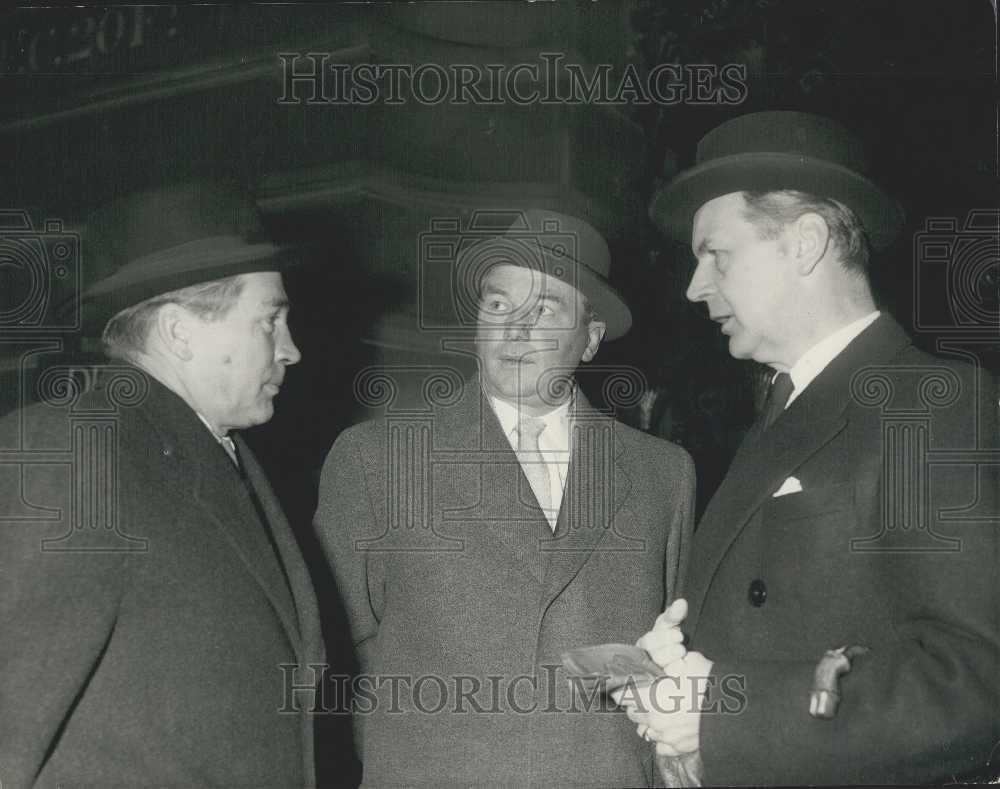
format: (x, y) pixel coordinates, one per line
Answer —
(455, 583)
(892, 544)
(143, 641)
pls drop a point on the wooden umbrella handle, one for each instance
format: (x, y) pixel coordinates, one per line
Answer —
(825, 696)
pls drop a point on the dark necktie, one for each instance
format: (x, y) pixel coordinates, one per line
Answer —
(777, 398)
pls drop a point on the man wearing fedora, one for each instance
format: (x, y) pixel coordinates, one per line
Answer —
(156, 617)
(478, 539)
(835, 525)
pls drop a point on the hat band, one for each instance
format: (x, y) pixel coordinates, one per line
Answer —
(192, 255)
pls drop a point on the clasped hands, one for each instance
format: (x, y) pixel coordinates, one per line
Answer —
(668, 712)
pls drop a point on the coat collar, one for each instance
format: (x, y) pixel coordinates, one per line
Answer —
(766, 459)
(201, 471)
(596, 488)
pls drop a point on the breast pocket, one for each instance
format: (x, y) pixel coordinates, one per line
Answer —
(806, 543)
(809, 503)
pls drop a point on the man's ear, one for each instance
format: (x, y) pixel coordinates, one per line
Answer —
(809, 241)
(595, 333)
(172, 326)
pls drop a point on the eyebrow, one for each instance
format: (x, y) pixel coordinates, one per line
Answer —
(277, 302)
(493, 290)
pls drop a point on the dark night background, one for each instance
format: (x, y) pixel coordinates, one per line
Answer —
(100, 101)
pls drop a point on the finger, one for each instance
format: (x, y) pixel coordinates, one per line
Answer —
(675, 613)
(667, 655)
(663, 634)
(697, 664)
(660, 637)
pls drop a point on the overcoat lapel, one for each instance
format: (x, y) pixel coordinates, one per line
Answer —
(596, 488)
(296, 572)
(521, 525)
(226, 499)
(206, 475)
(767, 458)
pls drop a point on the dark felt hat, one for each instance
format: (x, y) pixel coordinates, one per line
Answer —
(778, 150)
(156, 241)
(560, 246)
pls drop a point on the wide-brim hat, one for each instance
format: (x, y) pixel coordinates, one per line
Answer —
(558, 245)
(767, 151)
(161, 240)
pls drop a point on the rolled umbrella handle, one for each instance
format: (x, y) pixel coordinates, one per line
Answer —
(824, 699)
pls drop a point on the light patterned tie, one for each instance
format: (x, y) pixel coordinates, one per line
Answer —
(533, 463)
(227, 444)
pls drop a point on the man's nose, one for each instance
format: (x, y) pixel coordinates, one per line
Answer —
(518, 327)
(701, 284)
(286, 351)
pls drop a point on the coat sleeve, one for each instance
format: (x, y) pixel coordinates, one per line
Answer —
(345, 519)
(681, 530)
(58, 611)
(924, 705)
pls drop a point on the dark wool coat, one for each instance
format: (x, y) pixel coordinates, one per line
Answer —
(147, 650)
(891, 544)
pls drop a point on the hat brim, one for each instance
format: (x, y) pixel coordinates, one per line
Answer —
(674, 206)
(610, 307)
(606, 302)
(131, 285)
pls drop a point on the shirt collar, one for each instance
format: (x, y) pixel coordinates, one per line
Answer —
(216, 436)
(556, 420)
(815, 360)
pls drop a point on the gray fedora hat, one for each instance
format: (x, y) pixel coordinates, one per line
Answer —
(558, 245)
(778, 150)
(164, 239)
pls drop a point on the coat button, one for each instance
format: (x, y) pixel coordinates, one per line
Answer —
(757, 593)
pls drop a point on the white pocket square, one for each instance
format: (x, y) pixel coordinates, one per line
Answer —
(790, 485)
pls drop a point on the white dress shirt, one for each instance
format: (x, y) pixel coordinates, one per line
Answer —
(224, 441)
(815, 360)
(553, 443)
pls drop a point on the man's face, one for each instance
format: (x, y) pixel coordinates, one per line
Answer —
(745, 282)
(531, 330)
(239, 360)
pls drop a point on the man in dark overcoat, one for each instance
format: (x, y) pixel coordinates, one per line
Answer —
(860, 510)
(156, 611)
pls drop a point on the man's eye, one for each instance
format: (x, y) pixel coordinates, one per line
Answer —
(497, 306)
(545, 311)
